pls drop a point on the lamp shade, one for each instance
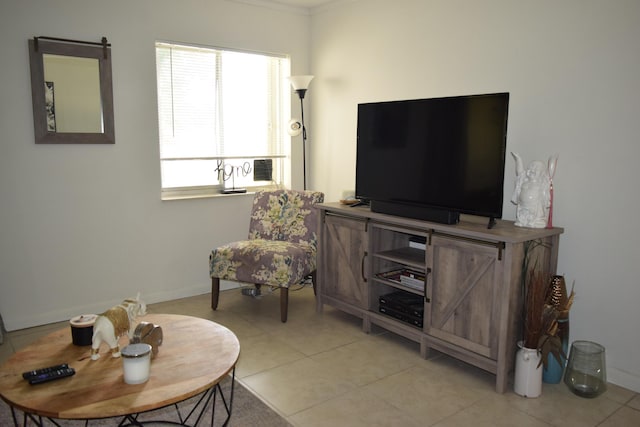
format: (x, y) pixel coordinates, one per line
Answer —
(300, 82)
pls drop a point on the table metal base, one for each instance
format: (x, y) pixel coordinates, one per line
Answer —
(205, 400)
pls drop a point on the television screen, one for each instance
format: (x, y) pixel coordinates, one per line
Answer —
(439, 155)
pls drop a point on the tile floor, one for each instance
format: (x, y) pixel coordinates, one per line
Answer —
(321, 370)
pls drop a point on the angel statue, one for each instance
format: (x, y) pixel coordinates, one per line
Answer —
(532, 194)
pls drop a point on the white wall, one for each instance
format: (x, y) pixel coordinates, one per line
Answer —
(572, 69)
(82, 227)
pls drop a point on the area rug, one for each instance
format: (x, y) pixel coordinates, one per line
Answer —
(247, 411)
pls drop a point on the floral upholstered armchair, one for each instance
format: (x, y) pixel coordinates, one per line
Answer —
(280, 250)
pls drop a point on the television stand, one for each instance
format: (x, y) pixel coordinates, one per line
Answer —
(492, 223)
(468, 280)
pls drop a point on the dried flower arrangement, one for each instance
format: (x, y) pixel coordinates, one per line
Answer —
(546, 302)
(534, 302)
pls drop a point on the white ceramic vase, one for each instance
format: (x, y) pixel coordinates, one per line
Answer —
(528, 378)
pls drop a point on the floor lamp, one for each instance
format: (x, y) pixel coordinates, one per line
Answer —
(300, 84)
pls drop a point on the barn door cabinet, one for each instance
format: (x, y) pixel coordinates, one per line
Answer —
(464, 281)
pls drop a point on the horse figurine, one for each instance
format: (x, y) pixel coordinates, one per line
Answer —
(114, 323)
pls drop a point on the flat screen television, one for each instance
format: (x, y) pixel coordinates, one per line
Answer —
(433, 159)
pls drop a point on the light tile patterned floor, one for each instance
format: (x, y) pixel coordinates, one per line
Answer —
(322, 370)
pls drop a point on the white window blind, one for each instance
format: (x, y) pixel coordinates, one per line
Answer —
(220, 111)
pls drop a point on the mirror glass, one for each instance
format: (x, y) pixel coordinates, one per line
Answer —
(71, 92)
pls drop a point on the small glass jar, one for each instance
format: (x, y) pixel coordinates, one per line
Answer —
(586, 374)
(136, 362)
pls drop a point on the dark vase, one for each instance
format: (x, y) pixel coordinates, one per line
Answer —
(557, 297)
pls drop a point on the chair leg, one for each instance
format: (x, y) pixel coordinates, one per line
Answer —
(284, 304)
(215, 292)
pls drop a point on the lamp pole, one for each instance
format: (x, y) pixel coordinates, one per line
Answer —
(304, 142)
(300, 84)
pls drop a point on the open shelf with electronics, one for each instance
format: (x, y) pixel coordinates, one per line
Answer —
(455, 288)
(398, 281)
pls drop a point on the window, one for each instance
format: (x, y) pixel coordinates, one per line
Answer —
(221, 116)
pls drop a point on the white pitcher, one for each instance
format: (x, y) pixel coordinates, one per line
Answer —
(528, 380)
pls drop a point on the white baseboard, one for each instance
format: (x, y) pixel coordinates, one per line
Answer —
(628, 380)
(29, 320)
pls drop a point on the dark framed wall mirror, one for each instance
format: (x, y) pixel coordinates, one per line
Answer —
(72, 91)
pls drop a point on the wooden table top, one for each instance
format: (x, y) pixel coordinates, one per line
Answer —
(194, 356)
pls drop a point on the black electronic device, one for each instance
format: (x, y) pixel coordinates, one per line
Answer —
(37, 372)
(404, 317)
(51, 375)
(403, 302)
(433, 159)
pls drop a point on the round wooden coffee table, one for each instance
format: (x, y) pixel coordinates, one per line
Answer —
(196, 354)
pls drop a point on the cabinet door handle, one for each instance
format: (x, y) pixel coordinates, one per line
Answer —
(426, 279)
(364, 278)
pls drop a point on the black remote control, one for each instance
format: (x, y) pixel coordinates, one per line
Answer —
(30, 374)
(52, 375)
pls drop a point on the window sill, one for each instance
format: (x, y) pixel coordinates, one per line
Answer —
(206, 193)
(203, 196)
